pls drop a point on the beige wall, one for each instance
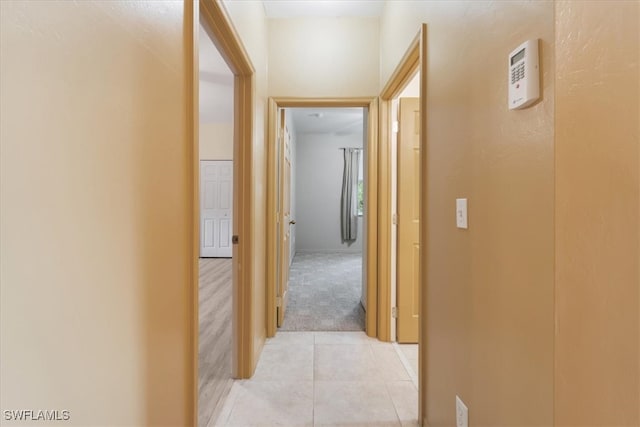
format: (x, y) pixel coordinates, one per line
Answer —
(216, 141)
(95, 211)
(597, 194)
(250, 21)
(323, 57)
(489, 289)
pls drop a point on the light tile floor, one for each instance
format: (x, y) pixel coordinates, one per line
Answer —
(327, 379)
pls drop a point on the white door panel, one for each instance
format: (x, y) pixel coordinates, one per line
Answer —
(216, 192)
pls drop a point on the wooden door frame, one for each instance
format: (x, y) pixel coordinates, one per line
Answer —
(218, 26)
(414, 59)
(371, 202)
(404, 72)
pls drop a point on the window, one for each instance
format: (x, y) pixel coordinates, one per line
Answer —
(361, 185)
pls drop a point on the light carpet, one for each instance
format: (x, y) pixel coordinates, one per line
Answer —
(324, 293)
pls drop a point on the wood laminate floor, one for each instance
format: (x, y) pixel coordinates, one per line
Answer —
(214, 355)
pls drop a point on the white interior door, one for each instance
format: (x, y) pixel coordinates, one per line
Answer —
(216, 192)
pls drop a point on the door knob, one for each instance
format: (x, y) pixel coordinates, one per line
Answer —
(292, 222)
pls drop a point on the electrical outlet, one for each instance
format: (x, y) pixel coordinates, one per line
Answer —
(462, 413)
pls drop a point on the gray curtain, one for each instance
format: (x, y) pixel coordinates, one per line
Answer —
(349, 201)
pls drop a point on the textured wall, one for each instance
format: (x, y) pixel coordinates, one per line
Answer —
(488, 291)
(323, 57)
(95, 211)
(597, 233)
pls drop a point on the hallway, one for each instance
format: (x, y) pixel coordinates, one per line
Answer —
(328, 379)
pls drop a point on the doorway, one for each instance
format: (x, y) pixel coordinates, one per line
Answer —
(283, 229)
(222, 127)
(215, 284)
(403, 112)
(323, 215)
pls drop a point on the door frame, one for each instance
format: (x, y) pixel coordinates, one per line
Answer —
(404, 72)
(218, 26)
(371, 202)
(414, 59)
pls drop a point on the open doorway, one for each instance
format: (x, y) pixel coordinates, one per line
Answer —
(405, 232)
(323, 219)
(402, 215)
(357, 120)
(215, 284)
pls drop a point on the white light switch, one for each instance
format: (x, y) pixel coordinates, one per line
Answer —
(461, 213)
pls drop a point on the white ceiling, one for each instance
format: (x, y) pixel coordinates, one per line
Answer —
(216, 84)
(322, 8)
(338, 121)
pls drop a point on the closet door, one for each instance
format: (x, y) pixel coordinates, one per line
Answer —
(216, 202)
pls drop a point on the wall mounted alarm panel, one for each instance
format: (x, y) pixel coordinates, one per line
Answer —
(524, 75)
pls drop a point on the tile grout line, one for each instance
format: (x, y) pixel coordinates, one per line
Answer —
(386, 387)
(395, 408)
(406, 364)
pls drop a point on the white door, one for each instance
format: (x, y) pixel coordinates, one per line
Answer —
(216, 190)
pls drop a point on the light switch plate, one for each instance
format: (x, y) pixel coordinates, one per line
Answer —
(461, 213)
(462, 413)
